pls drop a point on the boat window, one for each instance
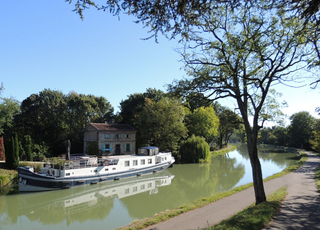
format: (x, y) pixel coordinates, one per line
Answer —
(113, 168)
(149, 161)
(142, 187)
(106, 169)
(135, 189)
(135, 162)
(143, 162)
(67, 174)
(127, 163)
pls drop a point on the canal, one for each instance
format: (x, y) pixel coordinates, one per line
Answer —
(110, 205)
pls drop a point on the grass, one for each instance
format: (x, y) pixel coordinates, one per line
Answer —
(140, 224)
(224, 150)
(255, 216)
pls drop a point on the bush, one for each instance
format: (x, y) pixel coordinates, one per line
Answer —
(194, 150)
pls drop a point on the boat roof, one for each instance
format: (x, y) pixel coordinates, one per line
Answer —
(149, 147)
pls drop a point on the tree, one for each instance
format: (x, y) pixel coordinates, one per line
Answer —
(28, 147)
(240, 53)
(9, 107)
(2, 155)
(15, 153)
(300, 130)
(161, 124)
(134, 104)
(194, 150)
(203, 122)
(315, 140)
(12, 153)
(51, 118)
(81, 110)
(229, 122)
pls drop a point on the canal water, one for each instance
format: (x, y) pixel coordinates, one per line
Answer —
(114, 204)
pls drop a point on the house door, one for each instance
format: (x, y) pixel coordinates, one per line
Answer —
(118, 151)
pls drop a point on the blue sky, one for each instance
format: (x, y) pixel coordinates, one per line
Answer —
(43, 44)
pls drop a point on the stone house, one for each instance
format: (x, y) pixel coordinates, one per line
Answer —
(112, 139)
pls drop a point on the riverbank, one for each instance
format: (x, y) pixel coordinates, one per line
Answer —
(202, 203)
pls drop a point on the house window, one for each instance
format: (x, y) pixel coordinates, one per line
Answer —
(118, 136)
(127, 163)
(149, 161)
(127, 147)
(143, 162)
(107, 136)
(135, 162)
(134, 189)
(107, 148)
(127, 136)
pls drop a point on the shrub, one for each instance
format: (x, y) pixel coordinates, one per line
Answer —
(194, 150)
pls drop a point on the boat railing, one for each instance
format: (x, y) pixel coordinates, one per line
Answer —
(80, 163)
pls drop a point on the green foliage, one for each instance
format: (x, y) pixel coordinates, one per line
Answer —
(194, 149)
(12, 153)
(229, 122)
(2, 151)
(134, 104)
(203, 122)
(15, 156)
(51, 117)
(92, 148)
(9, 107)
(28, 147)
(315, 140)
(160, 123)
(300, 129)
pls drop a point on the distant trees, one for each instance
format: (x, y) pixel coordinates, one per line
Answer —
(302, 132)
(300, 129)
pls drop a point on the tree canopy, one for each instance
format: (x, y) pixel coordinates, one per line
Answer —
(160, 123)
(240, 53)
(53, 118)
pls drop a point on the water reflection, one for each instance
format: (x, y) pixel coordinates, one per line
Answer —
(114, 204)
(79, 204)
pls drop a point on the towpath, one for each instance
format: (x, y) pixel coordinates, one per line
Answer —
(300, 210)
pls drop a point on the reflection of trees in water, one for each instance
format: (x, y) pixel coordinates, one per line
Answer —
(278, 155)
(228, 171)
(191, 182)
(46, 209)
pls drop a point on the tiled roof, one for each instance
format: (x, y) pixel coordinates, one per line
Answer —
(115, 127)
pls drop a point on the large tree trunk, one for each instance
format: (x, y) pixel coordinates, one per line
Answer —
(256, 172)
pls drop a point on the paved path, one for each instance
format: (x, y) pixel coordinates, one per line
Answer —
(300, 210)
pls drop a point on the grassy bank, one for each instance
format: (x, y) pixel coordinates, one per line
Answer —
(7, 176)
(140, 224)
(223, 151)
(255, 216)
